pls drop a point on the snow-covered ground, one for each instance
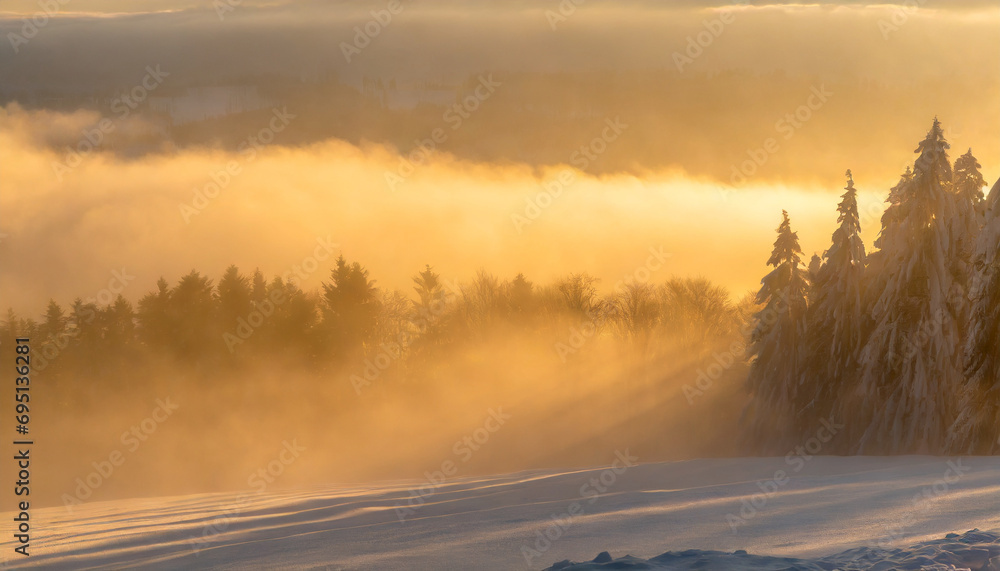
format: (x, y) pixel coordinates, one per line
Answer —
(796, 507)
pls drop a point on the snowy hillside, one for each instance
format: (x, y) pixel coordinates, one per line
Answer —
(800, 506)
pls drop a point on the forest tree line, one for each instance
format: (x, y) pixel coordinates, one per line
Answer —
(901, 345)
(351, 324)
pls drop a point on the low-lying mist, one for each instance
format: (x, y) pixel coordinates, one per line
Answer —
(271, 207)
(486, 375)
(653, 365)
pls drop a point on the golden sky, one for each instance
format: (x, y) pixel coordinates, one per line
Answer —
(119, 211)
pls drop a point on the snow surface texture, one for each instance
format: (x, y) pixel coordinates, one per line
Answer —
(974, 550)
(819, 507)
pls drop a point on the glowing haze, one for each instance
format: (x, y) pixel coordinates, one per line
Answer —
(596, 134)
(456, 212)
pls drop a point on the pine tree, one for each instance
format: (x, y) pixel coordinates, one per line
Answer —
(294, 316)
(430, 292)
(520, 292)
(86, 329)
(191, 313)
(155, 326)
(877, 269)
(967, 187)
(429, 310)
(350, 306)
(54, 325)
(967, 184)
(912, 364)
(777, 346)
(837, 315)
(977, 429)
(234, 296)
(119, 323)
(258, 287)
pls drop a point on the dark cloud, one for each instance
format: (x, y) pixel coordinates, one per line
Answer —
(444, 40)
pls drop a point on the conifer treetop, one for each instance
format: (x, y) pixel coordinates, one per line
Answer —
(848, 207)
(933, 151)
(969, 181)
(786, 247)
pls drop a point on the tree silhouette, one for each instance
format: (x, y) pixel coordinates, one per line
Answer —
(837, 317)
(155, 328)
(350, 307)
(429, 290)
(912, 361)
(54, 323)
(520, 294)
(636, 313)
(291, 326)
(192, 317)
(695, 310)
(235, 297)
(118, 320)
(778, 347)
(977, 428)
(579, 293)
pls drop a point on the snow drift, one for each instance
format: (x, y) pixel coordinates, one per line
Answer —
(822, 509)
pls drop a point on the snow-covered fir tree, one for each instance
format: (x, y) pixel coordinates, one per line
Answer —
(977, 429)
(969, 184)
(877, 274)
(777, 347)
(912, 362)
(891, 218)
(836, 318)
